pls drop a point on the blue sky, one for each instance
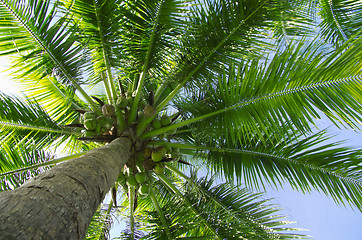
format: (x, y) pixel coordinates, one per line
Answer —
(324, 219)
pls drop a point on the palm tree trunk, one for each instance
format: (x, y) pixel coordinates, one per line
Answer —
(60, 203)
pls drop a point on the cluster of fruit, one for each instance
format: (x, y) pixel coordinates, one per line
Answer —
(145, 159)
(138, 180)
(98, 124)
(137, 170)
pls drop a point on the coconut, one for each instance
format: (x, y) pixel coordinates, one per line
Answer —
(168, 149)
(89, 115)
(156, 123)
(99, 129)
(149, 111)
(141, 177)
(121, 178)
(130, 101)
(156, 156)
(144, 189)
(165, 120)
(131, 180)
(147, 152)
(90, 124)
(122, 102)
(148, 164)
(108, 110)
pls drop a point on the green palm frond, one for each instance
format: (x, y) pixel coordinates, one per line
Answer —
(284, 93)
(20, 157)
(28, 120)
(42, 37)
(340, 20)
(298, 21)
(304, 162)
(100, 20)
(228, 211)
(16, 169)
(221, 33)
(58, 100)
(149, 29)
(236, 86)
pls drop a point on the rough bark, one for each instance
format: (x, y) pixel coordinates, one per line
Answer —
(59, 204)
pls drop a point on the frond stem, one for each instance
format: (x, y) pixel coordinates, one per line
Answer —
(252, 101)
(131, 193)
(180, 85)
(37, 128)
(159, 211)
(329, 2)
(261, 154)
(142, 77)
(108, 80)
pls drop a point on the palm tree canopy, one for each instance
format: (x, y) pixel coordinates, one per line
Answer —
(236, 86)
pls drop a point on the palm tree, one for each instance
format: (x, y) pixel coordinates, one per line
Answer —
(232, 86)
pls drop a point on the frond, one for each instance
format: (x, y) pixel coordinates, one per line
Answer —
(101, 223)
(58, 100)
(97, 25)
(304, 162)
(221, 33)
(34, 28)
(27, 120)
(20, 157)
(283, 93)
(341, 20)
(41, 36)
(230, 213)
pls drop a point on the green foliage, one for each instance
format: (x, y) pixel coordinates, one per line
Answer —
(203, 210)
(236, 86)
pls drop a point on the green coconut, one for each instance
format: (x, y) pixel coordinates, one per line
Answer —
(156, 156)
(162, 149)
(156, 123)
(122, 102)
(144, 189)
(149, 111)
(147, 152)
(148, 164)
(108, 110)
(131, 181)
(141, 177)
(130, 101)
(99, 129)
(121, 178)
(168, 149)
(166, 120)
(89, 115)
(90, 124)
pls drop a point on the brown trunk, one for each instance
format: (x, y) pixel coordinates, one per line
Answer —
(59, 204)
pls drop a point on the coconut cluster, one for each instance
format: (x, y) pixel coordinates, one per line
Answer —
(129, 178)
(96, 124)
(138, 170)
(146, 159)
